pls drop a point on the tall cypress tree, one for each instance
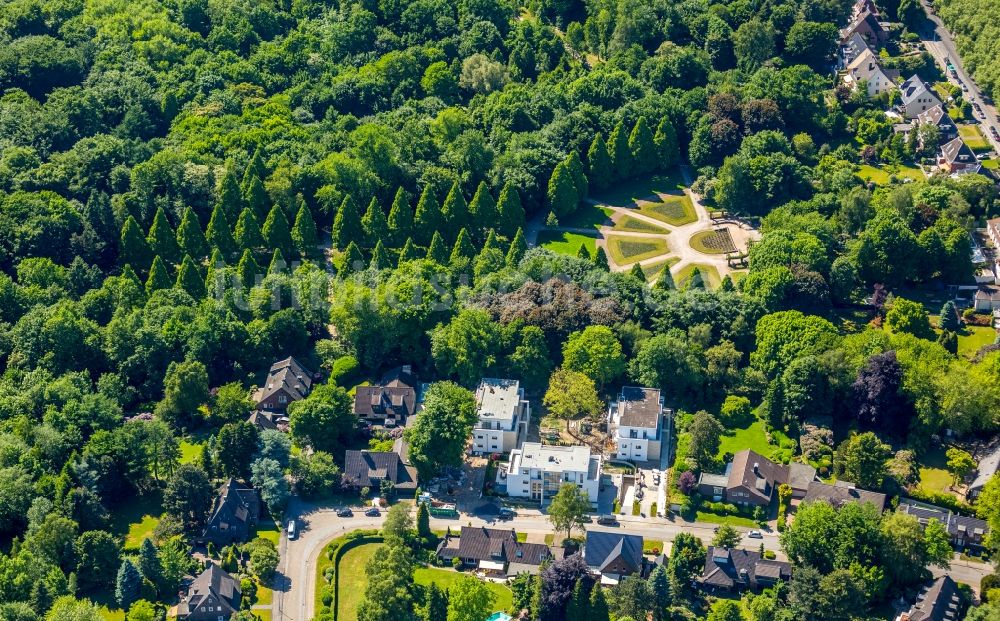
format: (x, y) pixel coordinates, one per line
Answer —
(129, 274)
(400, 218)
(517, 249)
(578, 603)
(278, 264)
(409, 252)
(600, 168)
(215, 278)
(696, 280)
(276, 234)
(483, 209)
(435, 604)
(583, 253)
(190, 280)
(665, 280)
(375, 225)
(190, 238)
(427, 221)
(621, 154)
(575, 167)
(133, 249)
(128, 584)
(230, 198)
(463, 248)
(637, 273)
(455, 211)
(352, 259)
(645, 156)
(666, 144)
(561, 197)
(491, 241)
(598, 609)
(162, 239)
(380, 257)
(158, 278)
(436, 251)
(248, 235)
(304, 232)
(248, 270)
(218, 233)
(601, 259)
(100, 219)
(255, 197)
(347, 225)
(511, 211)
(149, 562)
(255, 168)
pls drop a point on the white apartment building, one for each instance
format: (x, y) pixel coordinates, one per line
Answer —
(537, 471)
(503, 417)
(636, 421)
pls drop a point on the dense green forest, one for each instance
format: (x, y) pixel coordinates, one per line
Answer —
(977, 38)
(191, 189)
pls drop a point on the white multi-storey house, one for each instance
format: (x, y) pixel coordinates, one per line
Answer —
(537, 471)
(503, 416)
(636, 421)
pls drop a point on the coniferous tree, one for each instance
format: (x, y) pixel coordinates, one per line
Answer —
(41, 598)
(230, 198)
(583, 253)
(161, 238)
(575, 167)
(666, 144)
(400, 218)
(463, 248)
(129, 274)
(455, 211)
(128, 584)
(276, 234)
(149, 562)
(435, 606)
(621, 154)
(214, 280)
(133, 249)
(511, 211)
(598, 609)
(304, 233)
(600, 167)
(645, 157)
(665, 280)
(409, 252)
(278, 264)
(347, 225)
(659, 586)
(352, 260)
(561, 197)
(483, 209)
(696, 280)
(190, 280)
(247, 233)
(255, 197)
(190, 238)
(380, 257)
(218, 233)
(375, 225)
(99, 218)
(491, 242)
(436, 251)
(158, 278)
(248, 270)
(727, 284)
(255, 168)
(517, 249)
(601, 259)
(578, 603)
(427, 220)
(637, 273)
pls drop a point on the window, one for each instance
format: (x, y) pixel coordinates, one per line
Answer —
(282, 399)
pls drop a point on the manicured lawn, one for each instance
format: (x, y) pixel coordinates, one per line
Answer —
(628, 223)
(713, 242)
(626, 250)
(190, 451)
(136, 519)
(753, 437)
(991, 164)
(646, 188)
(933, 475)
(732, 520)
(566, 243)
(650, 546)
(708, 273)
(263, 613)
(267, 529)
(653, 270)
(880, 176)
(353, 580)
(587, 216)
(972, 338)
(675, 210)
(264, 595)
(140, 530)
(112, 615)
(973, 137)
(445, 578)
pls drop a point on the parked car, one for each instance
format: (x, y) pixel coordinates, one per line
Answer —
(345, 512)
(373, 512)
(291, 528)
(607, 520)
(755, 534)
(506, 514)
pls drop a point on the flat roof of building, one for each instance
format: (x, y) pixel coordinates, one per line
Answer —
(639, 407)
(498, 399)
(534, 455)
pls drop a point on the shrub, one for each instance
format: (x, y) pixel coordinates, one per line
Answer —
(343, 369)
(328, 574)
(989, 582)
(456, 563)
(616, 506)
(769, 555)
(249, 588)
(652, 510)
(326, 595)
(636, 507)
(686, 482)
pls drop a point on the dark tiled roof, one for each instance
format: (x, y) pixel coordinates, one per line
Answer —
(957, 151)
(213, 587)
(495, 544)
(285, 374)
(640, 407)
(366, 468)
(262, 421)
(756, 473)
(939, 601)
(737, 569)
(613, 553)
(936, 115)
(396, 393)
(956, 525)
(236, 508)
(838, 495)
(913, 88)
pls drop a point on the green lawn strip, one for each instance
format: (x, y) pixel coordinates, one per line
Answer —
(112, 615)
(190, 451)
(991, 164)
(566, 243)
(624, 194)
(713, 242)
(753, 437)
(708, 273)
(264, 595)
(353, 580)
(445, 578)
(651, 546)
(136, 518)
(934, 475)
(881, 175)
(715, 518)
(587, 216)
(267, 529)
(627, 250)
(675, 210)
(972, 338)
(635, 225)
(653, 270)
(973, 137)
(140, 530)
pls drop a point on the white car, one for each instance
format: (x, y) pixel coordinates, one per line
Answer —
(755, 534)
(291, 528)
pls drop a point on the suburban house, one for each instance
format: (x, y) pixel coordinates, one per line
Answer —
(990, 463)
(956, 158)
(915, 96)
(985, 300)
(851, 48)
(613, 556)
(537, 471)
(750, 479)
(940, 118)
(213, 596)
(287, 382)
(866, 69)
(390, 402)
(963, 532)
(263, 422)
(738, 570)
(865, 5)
(637, 418)
(938, 601)
(234, 514)
(841, 493)
(503, 416)
(495, 551)
(370, 468)
(867, 25)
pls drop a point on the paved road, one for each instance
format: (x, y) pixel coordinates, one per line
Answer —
(940, 43)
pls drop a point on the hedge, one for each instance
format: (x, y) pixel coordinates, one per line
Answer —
(334, 551)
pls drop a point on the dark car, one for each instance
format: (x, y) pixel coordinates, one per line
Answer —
(607, 520)
(506, 514)
(373, 512)
(345, 513)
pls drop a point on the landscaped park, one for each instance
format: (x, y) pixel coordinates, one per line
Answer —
(657, 223)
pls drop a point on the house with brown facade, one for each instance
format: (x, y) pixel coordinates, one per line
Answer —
(389, 402)
(287, 382)
(956, 158)
(750, 480)
(213, 596)
(613, 556)
(868, 26)
(938, 601)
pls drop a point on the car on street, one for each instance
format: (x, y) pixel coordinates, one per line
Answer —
(506, 514)
(607, 520)
(755, 534)
(373, 512)
(345, 512)
(291, 528)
